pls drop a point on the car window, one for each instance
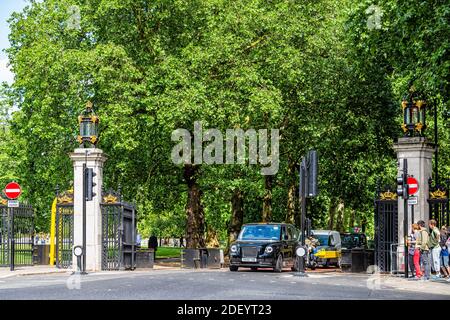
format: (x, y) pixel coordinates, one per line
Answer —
(295, 233)
(290, 234)
(332, 240)
(260, 232)
(323, 239)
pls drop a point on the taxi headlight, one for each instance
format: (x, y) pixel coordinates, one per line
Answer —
(233, 248)
(269, 249)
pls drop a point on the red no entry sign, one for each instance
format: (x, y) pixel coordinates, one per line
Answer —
(12, 190)
(413, 186)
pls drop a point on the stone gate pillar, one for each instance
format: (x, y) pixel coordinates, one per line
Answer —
(93, 158)
(419, 153)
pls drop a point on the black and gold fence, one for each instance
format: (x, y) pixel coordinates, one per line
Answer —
(438, 202)
(16, 235)
(386, 226)
(118, 233)
(64, 229)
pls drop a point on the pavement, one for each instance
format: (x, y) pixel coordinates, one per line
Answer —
(30, 270)
(168, 283)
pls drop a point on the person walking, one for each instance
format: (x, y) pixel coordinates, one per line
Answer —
(422, 245)
(444, 252)
(414, 252)
(435, 248)
(153, 244)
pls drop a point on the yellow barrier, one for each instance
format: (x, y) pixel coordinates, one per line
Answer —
(325, 254)
(52, 234)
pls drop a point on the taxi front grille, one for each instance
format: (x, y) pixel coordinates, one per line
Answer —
(249, 252)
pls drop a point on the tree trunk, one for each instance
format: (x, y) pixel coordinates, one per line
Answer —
(291, 201)
(212, 239)
(352, 219)
(332, 214)
(340, 217)
(237, 216)
(195, 226)
(267, 201)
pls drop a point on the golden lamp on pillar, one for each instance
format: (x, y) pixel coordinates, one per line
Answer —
(88, 122)
(414, 111)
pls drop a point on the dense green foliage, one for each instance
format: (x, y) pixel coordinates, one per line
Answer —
(313, 69)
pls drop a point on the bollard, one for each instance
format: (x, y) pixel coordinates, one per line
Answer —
(301, 265)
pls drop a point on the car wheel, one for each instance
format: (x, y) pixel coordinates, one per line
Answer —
(254, 268)
(234, 268)
(279, 265)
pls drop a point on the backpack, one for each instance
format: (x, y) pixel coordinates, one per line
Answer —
(433, 240)
(443, 239)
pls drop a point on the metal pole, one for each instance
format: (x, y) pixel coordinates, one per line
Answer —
(84, 218)
(303, 198)
(405, 219)
(13, 242)
(436, 174)
(302, 263)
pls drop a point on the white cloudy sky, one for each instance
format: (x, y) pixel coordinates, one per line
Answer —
(7, 7)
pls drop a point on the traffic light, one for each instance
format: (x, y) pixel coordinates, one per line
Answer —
(402, 186)
(89, 183)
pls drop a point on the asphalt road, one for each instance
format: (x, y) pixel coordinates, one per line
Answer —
(211, 284)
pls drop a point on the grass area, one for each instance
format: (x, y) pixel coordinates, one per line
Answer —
(168, 252)
(20, 258)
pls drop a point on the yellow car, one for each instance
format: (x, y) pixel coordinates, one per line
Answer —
(328, 250)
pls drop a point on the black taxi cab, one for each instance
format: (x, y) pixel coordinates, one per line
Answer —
(264, 245)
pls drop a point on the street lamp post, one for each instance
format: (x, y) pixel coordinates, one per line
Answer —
(414, 114)
(88, 122)
(88, 136)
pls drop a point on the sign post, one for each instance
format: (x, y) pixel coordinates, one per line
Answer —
(12, 191)
(413, 188)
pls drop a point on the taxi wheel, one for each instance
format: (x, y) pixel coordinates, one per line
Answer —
(279, 265)
(234, 268)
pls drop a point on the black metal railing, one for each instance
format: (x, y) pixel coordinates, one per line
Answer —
(386, 226)
(438, 202)
(118, 232)
(16, 235)
(64, 224)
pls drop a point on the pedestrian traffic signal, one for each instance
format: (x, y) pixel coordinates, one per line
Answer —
(402, 186)
(89, 180)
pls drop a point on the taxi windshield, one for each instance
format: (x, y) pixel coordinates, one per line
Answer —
(260, 232)
(323, 239)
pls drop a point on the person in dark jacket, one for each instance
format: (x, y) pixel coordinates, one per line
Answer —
(153, 244)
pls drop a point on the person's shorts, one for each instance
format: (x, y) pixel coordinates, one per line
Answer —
(444, 260)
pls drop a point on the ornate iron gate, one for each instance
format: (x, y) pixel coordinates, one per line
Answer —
(118, 233)
(439, 203)
(64, 229)
(386, 227)
(16, 235)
